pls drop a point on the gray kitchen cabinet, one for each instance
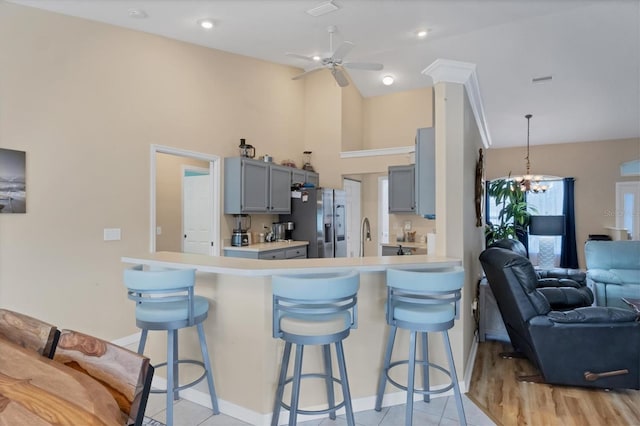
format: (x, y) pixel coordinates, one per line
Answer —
(279, 189)
(298, 176)
(285, 253)
(425, 174)
(402, 194)
(253, 186)
(312, 177)
(304, 176)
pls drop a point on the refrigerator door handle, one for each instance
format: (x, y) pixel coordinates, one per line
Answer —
(328, 235)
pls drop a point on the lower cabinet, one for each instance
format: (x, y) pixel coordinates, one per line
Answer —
(285, 253)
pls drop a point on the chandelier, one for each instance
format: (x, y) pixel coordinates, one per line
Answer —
(529, 182)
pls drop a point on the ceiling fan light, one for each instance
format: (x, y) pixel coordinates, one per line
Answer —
(387, 80)
(422, 33)
(206, 24)
(316, 58)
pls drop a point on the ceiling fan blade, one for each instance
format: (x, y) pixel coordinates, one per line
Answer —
(341, 79)
(295, 55)
(342, 51)
(363, 66)
(306, 73)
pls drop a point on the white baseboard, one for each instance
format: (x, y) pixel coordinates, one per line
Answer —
(468, 372)
(128, 340)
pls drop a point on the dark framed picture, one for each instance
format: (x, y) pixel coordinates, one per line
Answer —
(13, 184)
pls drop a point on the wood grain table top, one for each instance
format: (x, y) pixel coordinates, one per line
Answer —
(35, 390)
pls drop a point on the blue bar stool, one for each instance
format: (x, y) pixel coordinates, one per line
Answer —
(421, 301)
(165, 301)
(314, 309)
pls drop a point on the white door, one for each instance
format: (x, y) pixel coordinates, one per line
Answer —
(628, 208)
(352, 190)
(196, 208)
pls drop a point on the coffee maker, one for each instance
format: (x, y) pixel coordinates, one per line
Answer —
(240, 236)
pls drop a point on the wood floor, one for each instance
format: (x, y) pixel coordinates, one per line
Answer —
(507, 402)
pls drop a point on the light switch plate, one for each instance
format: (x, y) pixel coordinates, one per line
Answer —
(112, 234)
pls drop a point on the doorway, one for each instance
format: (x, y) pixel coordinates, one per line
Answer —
(628, 208)
(163, 181)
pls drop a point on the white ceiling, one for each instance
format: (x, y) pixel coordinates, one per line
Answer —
(590, 47)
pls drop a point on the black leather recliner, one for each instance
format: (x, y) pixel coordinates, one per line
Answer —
(592, 346)
(564, 288)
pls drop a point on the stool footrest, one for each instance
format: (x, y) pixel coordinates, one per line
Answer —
(420, 391)
(187, 385)
(311, 412)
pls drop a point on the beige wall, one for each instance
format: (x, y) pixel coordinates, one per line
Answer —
(392, 120)
(352, 124)
(594, 165)
(86, 101)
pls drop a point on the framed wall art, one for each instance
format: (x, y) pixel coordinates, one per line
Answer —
(13, 187)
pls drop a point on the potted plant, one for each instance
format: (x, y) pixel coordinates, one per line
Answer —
(513, 218)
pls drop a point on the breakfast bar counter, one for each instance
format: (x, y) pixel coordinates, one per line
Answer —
(245, 356)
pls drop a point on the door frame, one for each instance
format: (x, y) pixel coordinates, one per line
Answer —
(214, 186)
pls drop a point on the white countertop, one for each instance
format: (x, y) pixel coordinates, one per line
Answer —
(405, 244)
(255, 267)
(260, 247)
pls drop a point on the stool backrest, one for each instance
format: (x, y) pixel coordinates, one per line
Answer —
(138, 279)
(423, 287)
(125, 374)
(29, 332)
(161, 286)
(315, 294)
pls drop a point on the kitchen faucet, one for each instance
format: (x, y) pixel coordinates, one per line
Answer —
(365, 232)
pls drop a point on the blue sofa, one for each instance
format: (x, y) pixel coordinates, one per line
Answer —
(613, 271)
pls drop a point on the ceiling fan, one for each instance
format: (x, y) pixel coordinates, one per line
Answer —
(335, 61)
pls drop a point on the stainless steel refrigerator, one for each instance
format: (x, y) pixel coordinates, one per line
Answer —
(319, 217)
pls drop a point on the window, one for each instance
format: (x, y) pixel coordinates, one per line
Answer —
(543, 203)
(547, 203)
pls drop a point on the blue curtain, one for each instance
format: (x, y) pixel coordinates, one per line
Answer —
(569, 252)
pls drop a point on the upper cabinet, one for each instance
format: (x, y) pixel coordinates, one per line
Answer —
(425, 173)
(253, 186)
(402, 189)
(299, 176)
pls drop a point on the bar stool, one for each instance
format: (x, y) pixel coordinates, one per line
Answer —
(165, 301)
(421, 301)
(314, 309)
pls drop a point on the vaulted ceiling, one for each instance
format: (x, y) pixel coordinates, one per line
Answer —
(589, 48)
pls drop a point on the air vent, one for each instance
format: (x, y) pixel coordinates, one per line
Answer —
(323, 9)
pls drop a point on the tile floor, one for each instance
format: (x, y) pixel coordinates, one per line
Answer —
(440, 411)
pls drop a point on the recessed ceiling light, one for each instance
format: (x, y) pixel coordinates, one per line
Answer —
(316, 58)
(137, 13)
(387, 80)
(422, 33)
(207, 24)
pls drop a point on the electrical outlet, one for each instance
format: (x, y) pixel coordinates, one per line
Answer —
(407, 225)
(112, 234)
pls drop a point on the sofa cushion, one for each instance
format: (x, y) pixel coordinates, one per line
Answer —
(612, 254)
(593, 314)
(627, 276)
(603, 276)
